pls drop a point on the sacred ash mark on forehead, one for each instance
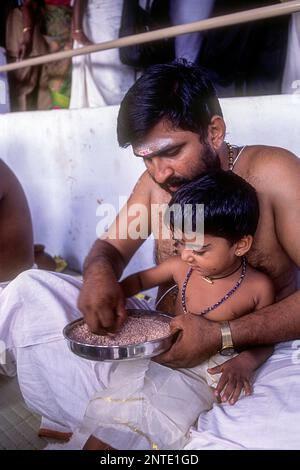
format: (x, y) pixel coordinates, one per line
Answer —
(153, 147)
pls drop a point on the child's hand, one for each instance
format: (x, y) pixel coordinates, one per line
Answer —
(236, 376)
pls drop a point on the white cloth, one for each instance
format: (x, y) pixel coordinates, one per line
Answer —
(7, 357)
(291, 75)
(100, 78)
(3, 285)
(55, 383)
(34, 308)
(268, 419)
(144, 405)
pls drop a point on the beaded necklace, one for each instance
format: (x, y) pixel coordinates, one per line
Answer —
(231, 161)
(221, 301)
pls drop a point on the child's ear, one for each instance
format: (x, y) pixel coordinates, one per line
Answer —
(243, 245)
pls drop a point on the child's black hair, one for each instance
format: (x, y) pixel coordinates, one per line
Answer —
(231, 208)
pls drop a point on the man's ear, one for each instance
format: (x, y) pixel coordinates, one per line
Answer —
(216, 132)
(243, 245)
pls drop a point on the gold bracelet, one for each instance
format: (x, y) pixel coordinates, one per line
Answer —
(27, 28)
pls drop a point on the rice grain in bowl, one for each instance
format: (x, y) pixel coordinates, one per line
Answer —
(146, 333)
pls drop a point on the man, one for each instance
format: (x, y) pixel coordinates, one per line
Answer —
(16, 237)
(28, 86)
(174, 156)
(173, 120)
(16, 241)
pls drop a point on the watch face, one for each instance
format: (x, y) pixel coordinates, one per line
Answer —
(227, 352)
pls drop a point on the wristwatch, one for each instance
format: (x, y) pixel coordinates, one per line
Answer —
(227, 348)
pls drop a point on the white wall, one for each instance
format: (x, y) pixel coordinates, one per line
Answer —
(69, 160)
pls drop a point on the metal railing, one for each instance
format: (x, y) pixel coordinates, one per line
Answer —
(254, 14)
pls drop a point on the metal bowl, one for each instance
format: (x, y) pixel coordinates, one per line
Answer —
(120, 353)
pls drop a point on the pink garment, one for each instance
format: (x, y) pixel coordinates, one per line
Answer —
(59, 3)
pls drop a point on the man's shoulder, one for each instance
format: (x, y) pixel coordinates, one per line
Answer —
(148, 191)
(264, 156)
(156, 193)
(143, 185)
(269, 166)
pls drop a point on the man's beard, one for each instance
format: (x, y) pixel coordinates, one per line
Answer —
(209, 161)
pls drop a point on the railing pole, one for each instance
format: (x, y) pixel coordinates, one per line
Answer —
(254, 14)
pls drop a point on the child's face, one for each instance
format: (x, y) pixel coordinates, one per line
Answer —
(215, 256)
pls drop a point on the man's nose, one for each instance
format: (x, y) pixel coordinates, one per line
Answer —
(187, 256)
(162, 171)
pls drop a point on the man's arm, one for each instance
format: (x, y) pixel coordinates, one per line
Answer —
(77, 27)
(25, 46)
(101, 299)
(16, 235)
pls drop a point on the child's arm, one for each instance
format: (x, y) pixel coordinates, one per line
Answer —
(143, 280)
(238, 371)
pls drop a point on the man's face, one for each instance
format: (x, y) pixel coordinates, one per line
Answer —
(174, 157)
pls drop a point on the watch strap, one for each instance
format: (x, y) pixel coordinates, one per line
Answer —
(226, 335)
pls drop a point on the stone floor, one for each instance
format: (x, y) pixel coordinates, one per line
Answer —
(18, 426)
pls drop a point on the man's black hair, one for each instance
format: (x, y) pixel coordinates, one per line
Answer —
(179, 92)
(231, 208)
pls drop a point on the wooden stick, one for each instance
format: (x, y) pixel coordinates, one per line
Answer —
(203, 25)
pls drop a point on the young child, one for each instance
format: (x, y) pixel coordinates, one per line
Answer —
(150, 406)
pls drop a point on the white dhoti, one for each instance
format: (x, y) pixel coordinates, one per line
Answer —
(268, 419)
(3, 285)
(58, 385)
(7, 357)
(34, 308)
(149, 406)
(100, 79)
(291, 74)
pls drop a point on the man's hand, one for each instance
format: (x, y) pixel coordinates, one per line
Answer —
(102, 302)
(236, 377)
(197, 339)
